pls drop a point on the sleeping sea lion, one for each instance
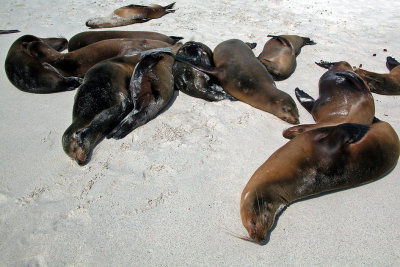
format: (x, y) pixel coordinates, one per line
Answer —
(86, 38)
(105, 98)
(321, 160)
(35, 66)
(194, 82)
(384, 84)
(343, 97)
(129, 15)
(30, 74)
(151, 88)
(280, 52)
(243, 76)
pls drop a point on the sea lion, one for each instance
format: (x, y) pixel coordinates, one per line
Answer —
(34, 66)
(384, 84)
(105, 99)
(151, 88)
(280, 52)
(86, 38)
(243, 76)
(343, 97)
(129, 15)
(30, 74)
(320, 160)
(194, 82)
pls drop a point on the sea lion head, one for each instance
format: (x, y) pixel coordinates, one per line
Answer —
(259, 218)
(285, 108)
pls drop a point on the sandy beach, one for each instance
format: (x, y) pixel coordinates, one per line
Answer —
(168, 194)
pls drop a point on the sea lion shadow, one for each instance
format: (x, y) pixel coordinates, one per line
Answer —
(316, 196)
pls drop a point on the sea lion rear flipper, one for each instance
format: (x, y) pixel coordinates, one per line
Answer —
(251, 45)
(169, 7)
(292, 132)
(325, 64)
(346, 133)
(391, 63)
(305, 99)
(206, 69)
(308, 41)
(176, 38)
(8, 31)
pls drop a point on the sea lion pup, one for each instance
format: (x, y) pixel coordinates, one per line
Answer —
(129, 15)
(8, 31)
(30, 74)
(280, 52)
(194, 82)
(343, 97)
(151, 88)
(86, 38)
(100, 103)
(384, 84)
(243, 76)
(320, 160)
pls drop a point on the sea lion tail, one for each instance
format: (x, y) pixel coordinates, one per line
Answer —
(325, 64)
(175, 38)
(305, 99)
(391, 63)
(308, 41)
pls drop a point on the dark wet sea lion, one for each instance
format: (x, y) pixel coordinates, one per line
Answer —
(86, 38)
(33, 65)
(151, 88)
(243, 76)
(28, 73)
(317, 161)
(384, 84)
(129, 15)
(343, 98)
(280, 52)
(194, 82)
(100, 103)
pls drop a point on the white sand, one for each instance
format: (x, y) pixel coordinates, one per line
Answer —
(169, 192)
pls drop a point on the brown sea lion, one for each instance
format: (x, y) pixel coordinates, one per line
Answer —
(343, 97)
(30, 74)
(194, 82)
(280, 52)
(317, 161)
(86, 38)
(34, 66)
(243, 76)
(129, 15)
(151, 88)
(384, 84)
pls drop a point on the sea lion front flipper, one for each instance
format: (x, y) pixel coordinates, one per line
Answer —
(305, 99)
(325, 64)
(146, 107)
(59, 44)
(391, 63)
(292, 132)
(206, 69)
